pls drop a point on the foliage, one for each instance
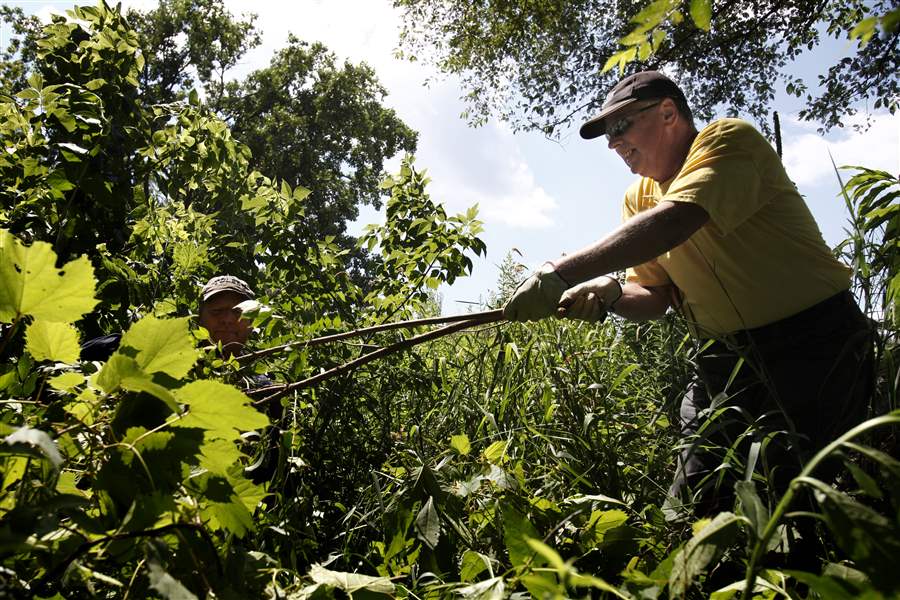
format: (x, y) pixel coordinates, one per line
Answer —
(187, 39)
(21, 51)
(304, 118)
(421, 247)
(506, 462)
(307, 118)
(536, 64)
(872, 249)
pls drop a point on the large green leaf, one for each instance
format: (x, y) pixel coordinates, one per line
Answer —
(428, 524)
(30, 283)
(869, 538)
(121, 371)
(46, 340)
(163, 345)
(517, 529)
(221, 410)
(218, 455)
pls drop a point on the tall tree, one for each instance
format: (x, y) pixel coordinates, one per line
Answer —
(187, 42)
(307, 118)
(537, 64)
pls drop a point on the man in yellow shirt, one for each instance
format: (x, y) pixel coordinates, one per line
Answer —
(715, 228)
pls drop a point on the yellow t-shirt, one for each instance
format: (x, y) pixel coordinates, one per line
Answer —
(760, 257)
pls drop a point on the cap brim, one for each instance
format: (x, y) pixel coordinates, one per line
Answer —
(212, 293)
(596, 126)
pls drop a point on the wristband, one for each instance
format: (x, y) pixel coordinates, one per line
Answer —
(555, 270)
(621, 293)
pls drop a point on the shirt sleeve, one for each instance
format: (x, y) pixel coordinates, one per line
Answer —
(720, 174)
(650, 273)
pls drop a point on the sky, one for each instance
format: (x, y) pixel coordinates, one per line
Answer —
(536, 196)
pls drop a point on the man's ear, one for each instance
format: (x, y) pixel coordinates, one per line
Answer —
(668, 110)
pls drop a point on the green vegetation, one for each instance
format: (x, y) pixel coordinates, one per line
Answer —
(542, 65)
(506, 462)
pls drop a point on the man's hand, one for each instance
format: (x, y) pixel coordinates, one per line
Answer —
(537, 297)
(590, 301)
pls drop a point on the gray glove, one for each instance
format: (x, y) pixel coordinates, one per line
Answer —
(590, 301)
(537, 297)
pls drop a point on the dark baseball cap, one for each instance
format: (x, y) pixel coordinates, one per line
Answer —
(225, 283)
(646, 85)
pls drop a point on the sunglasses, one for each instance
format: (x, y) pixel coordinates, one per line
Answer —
(618, 128)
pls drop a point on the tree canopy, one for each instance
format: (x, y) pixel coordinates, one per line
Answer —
(538, 64)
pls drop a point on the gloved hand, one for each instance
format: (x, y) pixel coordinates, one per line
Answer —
(537, 297)
(590, 301)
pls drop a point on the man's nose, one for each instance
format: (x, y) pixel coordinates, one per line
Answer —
(613, 142)
(230, 316)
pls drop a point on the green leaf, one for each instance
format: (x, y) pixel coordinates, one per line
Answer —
(221, 410)
(46, 340)
(713, 539)
(550, 555)
(701, 13)
(864, 30)
(66, 382)
(752, 507)
(163, 345)
(428, 524)
(167, 586)
(218, 456)
(351, 582)
(460, 443)
(869, 538)
(219, 505)
(121, 371)
(472, 565)
(516, 531)
(30, 283)
(496, 451)
(602, 521)
(865, 481)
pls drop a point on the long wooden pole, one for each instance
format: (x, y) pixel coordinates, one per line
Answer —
(273, 392)
(488, 316)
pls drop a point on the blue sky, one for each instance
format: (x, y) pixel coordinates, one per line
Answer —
(539, 196)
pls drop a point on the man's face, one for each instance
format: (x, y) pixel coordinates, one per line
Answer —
(636, 135)
(223, 321)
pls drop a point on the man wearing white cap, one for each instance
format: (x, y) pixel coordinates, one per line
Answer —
(220, 315)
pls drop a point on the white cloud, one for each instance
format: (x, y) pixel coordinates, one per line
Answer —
(806, 153)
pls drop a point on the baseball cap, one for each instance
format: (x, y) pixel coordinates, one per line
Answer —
(646, 85)
(225, 283)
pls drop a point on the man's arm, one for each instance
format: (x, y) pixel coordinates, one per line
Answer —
(639, 303)
(641, 238)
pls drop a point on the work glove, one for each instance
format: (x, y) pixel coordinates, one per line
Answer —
(590, 301)
(537, 297)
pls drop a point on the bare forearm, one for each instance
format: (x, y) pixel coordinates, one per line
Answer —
(639, 303)
(644, 237)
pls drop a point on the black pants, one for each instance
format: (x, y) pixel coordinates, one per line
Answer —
(767, 399)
